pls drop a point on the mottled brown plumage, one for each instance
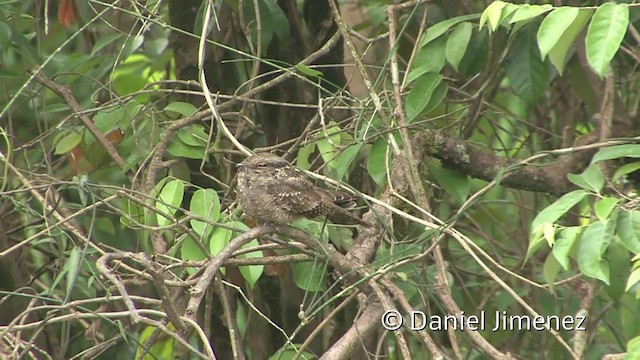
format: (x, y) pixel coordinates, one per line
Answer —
(271, 191)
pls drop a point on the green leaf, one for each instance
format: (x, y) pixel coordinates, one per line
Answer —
(453, 182)
(564, 244)
(457, 44)
(309, 276)
(251, 273)
(420, 95)
(161, 348)
(492, 15)
(344, 159)
(181, 108)
(620, 267)
(527, 12)
(193, 135)
(606, 31)
(527, 73)
(440, 28)
(604, 207)
(219, 239)
(591, 179)
(169, 200)
(556, 210)
(302, 160)
(206, 204)
(629, 229)
(68, 142)
(189, 251)
(72, 266)
(104, 41)
(553, 27)
(558, 53)
(593, 244)
(378, 160)
(437, 97)
(616, 152)
(428, 59)
(292, 352)
(624, 170)
(308, 71)
(634, 277)
(178, 148)
(328, 143)
(633, 349)
(550, 270)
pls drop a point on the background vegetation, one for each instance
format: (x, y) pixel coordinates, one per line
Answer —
(493, 144)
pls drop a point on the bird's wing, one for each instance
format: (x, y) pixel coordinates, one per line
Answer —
(299, 196)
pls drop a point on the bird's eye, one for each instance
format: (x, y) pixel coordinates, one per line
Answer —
(262, 165)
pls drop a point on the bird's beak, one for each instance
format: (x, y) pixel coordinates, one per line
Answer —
(240, 166)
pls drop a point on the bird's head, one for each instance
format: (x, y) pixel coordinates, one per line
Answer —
(262, 161)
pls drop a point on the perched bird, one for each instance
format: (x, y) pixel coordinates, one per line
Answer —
(271, 191)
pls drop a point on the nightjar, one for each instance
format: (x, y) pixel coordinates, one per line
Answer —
(271, 191)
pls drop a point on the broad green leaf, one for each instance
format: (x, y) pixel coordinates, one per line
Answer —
(178, 148)
(437, 96)
(558, 53)
(593, 244)
(219, 239)
(189, 251)
(527, 12)
(309, 276)
(591, 179)
(344, 159)
(550, 270)
(453, 182)
(604, 207)
(616, 152)
(553, 27)
(457, 44)
(491, 15)
(606, 31)
(556, 210)
(251, 273)
(169, 200)
(161, 348)
(420, 95)
(527, 73)
(629, 229)
(440, 28)
(328, 142)
(302, 160)
(68, 142)
(477, 54)
(181, 108)
(193, 135)
(507, 11)
(633, 279)
(103, 41)
(633, 349)
(624, 170)
(206, 204)
(619, 264)
(428, 59)
(73, 264)
(563, 245)
(291, 352)
(378, 160)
